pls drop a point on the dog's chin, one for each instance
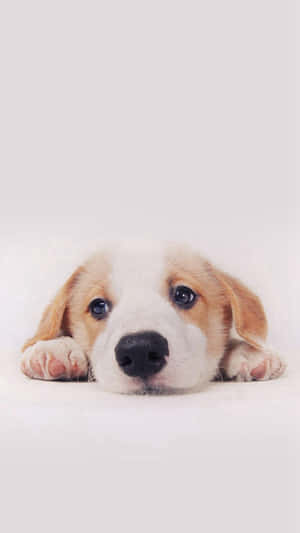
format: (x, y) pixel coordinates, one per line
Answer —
(158, 385)
(156, 390)
(140, 387)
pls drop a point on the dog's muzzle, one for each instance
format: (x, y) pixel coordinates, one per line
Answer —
(142, 354)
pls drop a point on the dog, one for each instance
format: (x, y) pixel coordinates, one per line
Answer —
(151, 319)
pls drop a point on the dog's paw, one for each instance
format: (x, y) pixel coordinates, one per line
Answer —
(244, 363)
(60, 358)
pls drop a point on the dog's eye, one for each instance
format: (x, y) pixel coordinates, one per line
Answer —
(99, 308)
(183, 296)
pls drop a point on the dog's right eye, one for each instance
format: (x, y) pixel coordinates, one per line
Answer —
(183, 296)
(99, 308)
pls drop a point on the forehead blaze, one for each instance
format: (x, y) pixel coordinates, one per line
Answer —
(136, 270)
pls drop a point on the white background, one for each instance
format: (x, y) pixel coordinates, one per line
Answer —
(164, 120)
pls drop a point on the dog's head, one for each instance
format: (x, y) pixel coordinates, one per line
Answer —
(152, 319)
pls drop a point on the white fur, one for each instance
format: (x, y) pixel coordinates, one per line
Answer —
(136, 282)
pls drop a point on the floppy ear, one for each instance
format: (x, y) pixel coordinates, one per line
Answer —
(52, 321)
(247, 310)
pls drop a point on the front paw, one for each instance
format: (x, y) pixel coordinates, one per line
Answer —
(245, 363)
(60, 358)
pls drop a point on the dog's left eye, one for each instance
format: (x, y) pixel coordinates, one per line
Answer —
(183, 296)
(99, 308)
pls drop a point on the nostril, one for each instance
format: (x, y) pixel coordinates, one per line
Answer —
(142, 354)
(154, 356)
(125, 361)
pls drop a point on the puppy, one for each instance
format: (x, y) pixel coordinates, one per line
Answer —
(152, 319)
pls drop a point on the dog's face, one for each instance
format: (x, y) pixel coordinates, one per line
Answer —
(152, 319)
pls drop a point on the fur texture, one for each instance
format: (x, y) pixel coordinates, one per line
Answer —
(137, 281)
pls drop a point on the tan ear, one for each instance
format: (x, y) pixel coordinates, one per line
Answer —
(51, 323)
(248, 313)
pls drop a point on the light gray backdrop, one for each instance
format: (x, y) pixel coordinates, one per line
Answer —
(161, 119)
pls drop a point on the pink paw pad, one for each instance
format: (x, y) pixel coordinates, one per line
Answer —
(56, 368)
(260, 371)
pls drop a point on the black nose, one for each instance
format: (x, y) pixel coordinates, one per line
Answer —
(142, 354)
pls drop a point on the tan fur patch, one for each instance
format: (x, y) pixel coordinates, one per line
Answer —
(221, 298)
(68, 313)
(211, 312)
(53, 316)
(248, 313)
(94, 283)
